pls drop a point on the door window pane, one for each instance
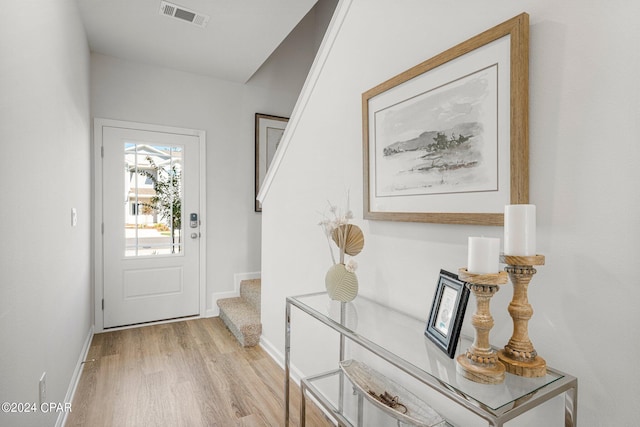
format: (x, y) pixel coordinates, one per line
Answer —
(153, 199)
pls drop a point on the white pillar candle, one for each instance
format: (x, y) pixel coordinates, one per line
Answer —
(484, 255)
(520, 230)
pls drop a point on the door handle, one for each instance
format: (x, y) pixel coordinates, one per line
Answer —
(195, 235)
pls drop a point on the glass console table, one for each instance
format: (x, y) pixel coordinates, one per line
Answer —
(399, 339)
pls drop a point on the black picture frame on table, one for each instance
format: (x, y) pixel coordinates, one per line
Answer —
(447, 312)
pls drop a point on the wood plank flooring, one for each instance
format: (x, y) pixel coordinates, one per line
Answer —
(191, 373)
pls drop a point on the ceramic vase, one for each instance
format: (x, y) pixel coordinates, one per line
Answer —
(342, 285)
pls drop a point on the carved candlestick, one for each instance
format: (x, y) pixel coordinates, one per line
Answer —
(519, 356)
(480, 363)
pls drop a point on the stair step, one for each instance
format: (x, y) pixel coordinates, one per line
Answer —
(250, 290)
(242, 319)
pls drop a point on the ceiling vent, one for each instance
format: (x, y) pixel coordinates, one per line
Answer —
(182, 13)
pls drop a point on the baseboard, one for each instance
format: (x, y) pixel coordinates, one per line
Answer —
(214, 311)
(272, 351)
(75, 378)
(295, 373)
(239, 277)
(278, 357)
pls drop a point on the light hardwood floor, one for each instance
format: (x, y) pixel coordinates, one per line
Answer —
(191, 373)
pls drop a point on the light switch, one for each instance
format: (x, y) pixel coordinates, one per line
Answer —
(74, 217)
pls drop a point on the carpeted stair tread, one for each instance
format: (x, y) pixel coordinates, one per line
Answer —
(241, 314)
(250, 291)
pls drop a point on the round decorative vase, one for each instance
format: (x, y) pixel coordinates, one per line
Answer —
(342, 285)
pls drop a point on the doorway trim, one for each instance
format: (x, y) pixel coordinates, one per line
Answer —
(98, 262)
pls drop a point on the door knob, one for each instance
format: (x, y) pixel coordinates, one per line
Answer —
(195, 235)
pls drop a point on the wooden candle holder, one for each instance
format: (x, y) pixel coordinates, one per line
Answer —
(519, 356)
(480, 363)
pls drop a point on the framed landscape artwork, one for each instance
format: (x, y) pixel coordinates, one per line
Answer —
(268, 133)
(447, 140)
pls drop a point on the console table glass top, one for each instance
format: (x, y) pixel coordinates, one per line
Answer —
(402, 339)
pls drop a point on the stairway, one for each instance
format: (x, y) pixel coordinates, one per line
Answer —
(242, 314)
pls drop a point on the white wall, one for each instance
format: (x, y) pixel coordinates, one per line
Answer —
(584, 128)
(127, 90)
(45, 292)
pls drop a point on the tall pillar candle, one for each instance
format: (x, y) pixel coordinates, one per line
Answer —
(484, 255)
(520, 230)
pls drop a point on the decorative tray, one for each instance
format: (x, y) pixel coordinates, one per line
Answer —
(390, 397)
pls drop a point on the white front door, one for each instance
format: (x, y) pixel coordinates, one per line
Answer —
(151, 217)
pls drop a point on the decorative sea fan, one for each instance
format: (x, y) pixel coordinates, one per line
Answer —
(350, 238)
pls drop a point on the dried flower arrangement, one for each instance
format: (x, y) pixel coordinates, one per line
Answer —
(342, 284)
(347, 237)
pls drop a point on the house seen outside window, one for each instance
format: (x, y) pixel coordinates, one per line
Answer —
(152, 199)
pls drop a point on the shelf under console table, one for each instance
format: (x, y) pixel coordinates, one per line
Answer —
(399, 340)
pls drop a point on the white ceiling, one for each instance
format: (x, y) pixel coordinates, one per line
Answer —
(239, 37)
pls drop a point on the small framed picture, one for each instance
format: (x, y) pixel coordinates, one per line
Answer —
(447, 312)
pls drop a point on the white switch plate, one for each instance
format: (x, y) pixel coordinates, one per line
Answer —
(74, 217)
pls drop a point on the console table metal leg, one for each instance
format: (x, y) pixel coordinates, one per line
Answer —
(360, 410)
(303, 404)
(287, 348)
(341, 358)
(571, 407)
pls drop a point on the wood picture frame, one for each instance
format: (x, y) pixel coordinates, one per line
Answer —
(447, 312)
(447, 141)
(268, 133)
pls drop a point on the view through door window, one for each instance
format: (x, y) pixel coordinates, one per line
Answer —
(153, 199)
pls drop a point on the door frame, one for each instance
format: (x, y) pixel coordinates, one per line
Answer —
(98, 261)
